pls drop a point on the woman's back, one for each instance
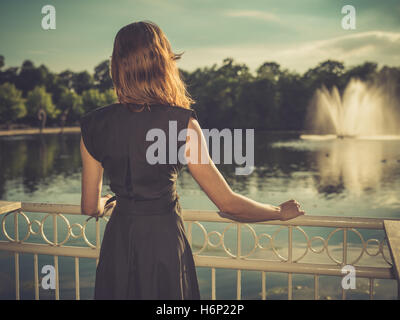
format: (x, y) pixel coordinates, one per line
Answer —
(130, 145)
(144, 252)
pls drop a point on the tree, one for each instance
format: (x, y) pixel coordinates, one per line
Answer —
(82, 81)
(328, 73)
(71, 104)
(110, 96)
(54, 86)
(102, 76)
(9, 75)
(30, 77)
(92, 99)
(364, 72)
(65, 79)
(216, 91)
(292, 101)
(1, 61)
(39, 98)
(12, 105)
(269, 70)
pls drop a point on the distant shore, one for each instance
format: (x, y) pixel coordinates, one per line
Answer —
(76, 129)
(52, 130)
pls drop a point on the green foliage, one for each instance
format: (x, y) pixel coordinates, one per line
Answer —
(66, 79)
(93, 98)
(12, 105)
(71, 104)
(269, 70)
(82, 81)
(102, 76)
(9, 75)
(39, 98)
(226, 95)
(30, 77)
(109, 97)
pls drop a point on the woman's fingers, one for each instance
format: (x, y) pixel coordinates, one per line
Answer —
(291, 209)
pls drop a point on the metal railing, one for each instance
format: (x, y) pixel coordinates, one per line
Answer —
(247, 255)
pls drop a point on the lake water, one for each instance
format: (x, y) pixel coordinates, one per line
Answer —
(342, 177)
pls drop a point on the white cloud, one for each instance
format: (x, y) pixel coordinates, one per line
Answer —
(262, 15)
(353, 48)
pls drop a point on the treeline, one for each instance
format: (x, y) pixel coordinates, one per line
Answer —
(226, 95)
(64, 96)
(273, 98)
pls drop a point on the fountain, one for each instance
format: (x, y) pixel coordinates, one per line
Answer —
(364, 111)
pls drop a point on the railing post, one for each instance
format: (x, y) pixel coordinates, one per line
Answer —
(290, 258)
(55, 233)
(371, 288)
(16, 256)
(344, 258)
(7, 207)
(77, 285)
(213, 294)
(316, 287)
(36, 275)
(263, 286)
(97, 239)
(239, 272)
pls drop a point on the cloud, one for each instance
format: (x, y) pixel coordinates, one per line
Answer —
(353, 48)
(255, 14)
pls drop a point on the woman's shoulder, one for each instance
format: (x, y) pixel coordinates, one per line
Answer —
(101, 111)
(116, 111)
(175, 110)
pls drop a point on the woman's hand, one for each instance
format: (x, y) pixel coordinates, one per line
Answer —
(102, 204)
(109, 206)
(290, 209)
(104, 199)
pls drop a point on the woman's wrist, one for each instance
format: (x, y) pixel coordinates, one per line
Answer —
(277, 210)
(274, 212)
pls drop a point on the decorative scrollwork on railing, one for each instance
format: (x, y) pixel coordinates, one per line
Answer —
(40, 230)
(219, 242)
(216, 239)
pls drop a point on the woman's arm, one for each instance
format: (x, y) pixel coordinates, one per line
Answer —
(217, 189)
(92, 179)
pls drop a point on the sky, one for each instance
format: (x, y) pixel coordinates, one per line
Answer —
(297, 34)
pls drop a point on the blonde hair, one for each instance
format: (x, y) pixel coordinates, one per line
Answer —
(143, 67)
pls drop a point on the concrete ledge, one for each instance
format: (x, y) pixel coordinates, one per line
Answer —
(7, 206)
(37, 131)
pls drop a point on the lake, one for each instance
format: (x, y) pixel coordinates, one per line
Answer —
(339, 177)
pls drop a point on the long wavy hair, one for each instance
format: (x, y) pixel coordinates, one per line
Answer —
(143, 67)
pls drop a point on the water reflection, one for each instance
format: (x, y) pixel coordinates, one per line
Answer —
(30, 161)
(355, 166)
(284, 163)
(351, 164)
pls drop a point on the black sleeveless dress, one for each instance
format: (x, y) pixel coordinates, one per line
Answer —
(144, 253)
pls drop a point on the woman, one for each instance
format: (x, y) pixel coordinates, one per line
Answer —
(145, 253)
